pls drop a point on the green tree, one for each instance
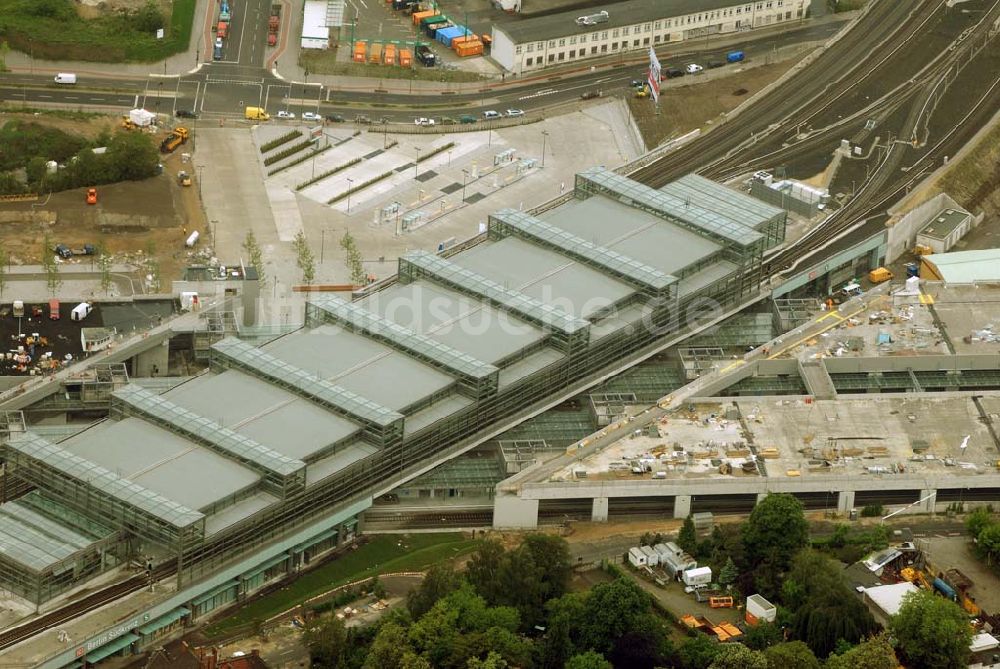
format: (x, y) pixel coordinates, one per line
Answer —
(148, 19)
(483, 570)
(763, 635)
(563, 636)
(49, 266)
(728, 574)
(104, 266)
(35, 171)
(439, 581)
(253, 250)
(791, 655)
(643, 646)
(133, 157)
(823, 604)
(304, 258)
(698, 652)
(352, 258)
(738, 656)
(979, 520)
(687, 538)
(588, 660)
(612, 610)
(4, 50)
(931, 632)
(492, 661)
(389, 648)
(774, 533)
(326, 639)
(875, 653)
(4, 264)
(535, 572)
(988, 543)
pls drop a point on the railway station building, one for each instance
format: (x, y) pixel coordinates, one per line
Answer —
(243, 473)
(631, 26)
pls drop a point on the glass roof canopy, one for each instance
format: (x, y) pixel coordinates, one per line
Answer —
(179, 418)
(672, 206)
(585, 251)
(338, 398)
(359, 318)
(96, 476)
(517, 303)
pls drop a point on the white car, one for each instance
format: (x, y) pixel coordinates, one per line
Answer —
(693, 68)
(286, 114)
(311, 116)
(423, 121)
(511, 113)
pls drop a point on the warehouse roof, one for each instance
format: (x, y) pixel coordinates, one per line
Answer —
(265, 413)
(890, 597)
(965, 266)
(944, 223)
(620, 14)
(724, 201)
(161, 461)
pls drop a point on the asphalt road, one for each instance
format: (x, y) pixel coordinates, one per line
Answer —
(224, 88)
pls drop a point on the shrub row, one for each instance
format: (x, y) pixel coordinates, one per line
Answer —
(297, 161)
(290, 151)
(440, 149)
(361, 186)
(275, 143)
(320, 177)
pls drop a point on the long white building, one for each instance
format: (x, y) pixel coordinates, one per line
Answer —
(533, 44)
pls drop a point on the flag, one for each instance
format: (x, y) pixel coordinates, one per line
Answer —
(654, 76)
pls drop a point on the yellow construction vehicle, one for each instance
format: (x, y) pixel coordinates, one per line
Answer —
(173, 140)
(183, 178)
(922, 250)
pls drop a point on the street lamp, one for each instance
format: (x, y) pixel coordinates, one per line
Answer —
(350, 183)
(545, 136)
(465, 175)
(416, 163)
(322, 244)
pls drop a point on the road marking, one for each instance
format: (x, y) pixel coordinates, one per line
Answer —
(69, 97)
(95, 99)
(45, 96)
(538, 94)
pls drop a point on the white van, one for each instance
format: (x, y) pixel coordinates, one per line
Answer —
(65, 78)
(81, 311)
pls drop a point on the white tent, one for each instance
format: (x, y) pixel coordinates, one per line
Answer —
(141, 117)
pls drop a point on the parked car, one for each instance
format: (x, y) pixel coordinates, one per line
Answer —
(694, 68)
(712, 64)
(423, 121)
(335, 118)
(590, 95)
(511, 113)
(467, 118)
(490, 114)
(184, 113)
(447, 120)
(311, 116)
(671, 73)
(637, 83)
(286, 114)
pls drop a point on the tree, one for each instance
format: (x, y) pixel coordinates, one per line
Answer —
(823, 604)
(4, 264)
(687, 538)
(535, 572)
(979, 520)
(483, 570)
(876, 653)
(104, 266)
(4, 50)
(304, 258)
(439, 581)
(562, 638)
(762, 635)
(148, 19)
(253, 250)
(326, 639)
(988, 543)
(698, 652)
(612, 610)
(352, 258)
(728, 574)
(644, 646)
(388, 648)
(737, 656)
(493, 661)
(774, 533)
(49, 266)
(931, 632)
(791, 655)
(588, 660)
(131, 156)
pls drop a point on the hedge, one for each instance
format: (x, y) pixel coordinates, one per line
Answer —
(297, 161)
(320, 177)
(361, 186)
(290, 151)
(275, 143)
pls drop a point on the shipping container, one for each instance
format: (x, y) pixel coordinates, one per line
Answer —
(697, 576)
(389, 55)
(759, 610)
(432, 28)
(420, 16)
(446, 35)
(360, 52)
(405, 58)
(466, 49)
(375, 53)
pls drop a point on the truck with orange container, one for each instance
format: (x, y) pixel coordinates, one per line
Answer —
(389, 55)
(375, 53)
(405, 58)
(360, 52)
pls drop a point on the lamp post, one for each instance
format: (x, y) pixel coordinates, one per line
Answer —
(465, 176)
(416, 163)
(545, 136)
(322, 244)
(350, 183)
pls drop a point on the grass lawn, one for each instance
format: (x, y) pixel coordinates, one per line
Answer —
(383, 554)
(52, 30)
